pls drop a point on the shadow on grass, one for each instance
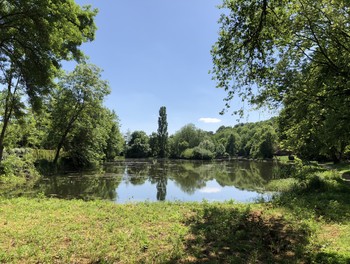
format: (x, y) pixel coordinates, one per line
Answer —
(230, 235)
(324, 197)
(320, 197)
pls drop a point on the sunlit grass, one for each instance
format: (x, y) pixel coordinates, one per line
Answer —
(281, 185)
(48, 230)
(45, 230)
(308, 222)
(282, 158)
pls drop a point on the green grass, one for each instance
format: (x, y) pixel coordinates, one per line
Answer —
(51, 230)
(282, 158)
(308, 223)
(56, 231)
(281, 185)
(341, 167)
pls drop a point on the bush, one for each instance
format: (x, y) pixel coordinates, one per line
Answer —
(18, 167)
(43, 154)
(197, 153)
(202, 154)
(187, 153)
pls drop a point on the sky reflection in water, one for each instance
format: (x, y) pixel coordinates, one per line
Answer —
(147, 180)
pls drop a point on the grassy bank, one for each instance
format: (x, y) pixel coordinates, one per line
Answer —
(308, 223)
(49, 230)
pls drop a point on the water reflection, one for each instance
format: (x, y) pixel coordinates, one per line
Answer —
(135, 180)
(81, 186)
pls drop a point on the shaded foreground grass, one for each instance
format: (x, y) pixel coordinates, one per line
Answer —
(55, 231)
(308, 223)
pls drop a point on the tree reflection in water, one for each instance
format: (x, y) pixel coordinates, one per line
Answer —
(158, 175)
(187, 176)
(161, 188)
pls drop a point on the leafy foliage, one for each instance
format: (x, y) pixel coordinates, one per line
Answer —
(34, 37)
(78, 117)
(187, 137)
(115, 141)
(291, 53)
(138, 146)
(162, 138)
(257, 140)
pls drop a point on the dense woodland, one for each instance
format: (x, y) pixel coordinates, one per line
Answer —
(255, 140)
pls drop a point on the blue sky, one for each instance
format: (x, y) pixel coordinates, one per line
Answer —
(157, 53)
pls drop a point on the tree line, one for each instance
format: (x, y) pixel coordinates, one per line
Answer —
(252, 140)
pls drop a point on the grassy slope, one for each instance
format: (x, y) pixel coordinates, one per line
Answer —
(308, 223)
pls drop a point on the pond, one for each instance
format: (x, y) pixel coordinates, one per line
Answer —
(170, 180)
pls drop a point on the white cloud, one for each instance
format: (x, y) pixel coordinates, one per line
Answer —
(210, 190)
(209, 120)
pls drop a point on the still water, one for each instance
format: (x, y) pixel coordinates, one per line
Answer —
(147, 180)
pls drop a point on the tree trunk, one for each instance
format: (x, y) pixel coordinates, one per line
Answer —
(2, 136)
(58, 151)
(8, 112)
(64, 136)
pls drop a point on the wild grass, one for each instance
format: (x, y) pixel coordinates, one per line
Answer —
(50, 230)
(309, 222)
(54, 231)
(42, 230)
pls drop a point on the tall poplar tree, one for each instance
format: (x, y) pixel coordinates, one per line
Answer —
(162, 132)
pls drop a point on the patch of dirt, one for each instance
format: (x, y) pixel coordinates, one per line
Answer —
(329, 233)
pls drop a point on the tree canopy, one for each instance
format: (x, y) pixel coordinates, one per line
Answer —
(138, 145)
(35, 36)
(77, 105)
(294, 53)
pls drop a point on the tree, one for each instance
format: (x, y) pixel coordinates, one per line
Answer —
(220, 151)
(263, 143)
(162, 132)
(232, 144)
(319, 135)
(90, 137)
(205, 150)
(34, 37)
(115, 140)
(33, 128)
(154, 145)
(76, 104)
(292, 52)
(138, 146)
(186, 138)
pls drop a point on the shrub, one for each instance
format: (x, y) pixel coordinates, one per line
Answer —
(202, 154)
(18, 167)
(187, 153)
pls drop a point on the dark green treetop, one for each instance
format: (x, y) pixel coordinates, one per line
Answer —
(162, 132)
